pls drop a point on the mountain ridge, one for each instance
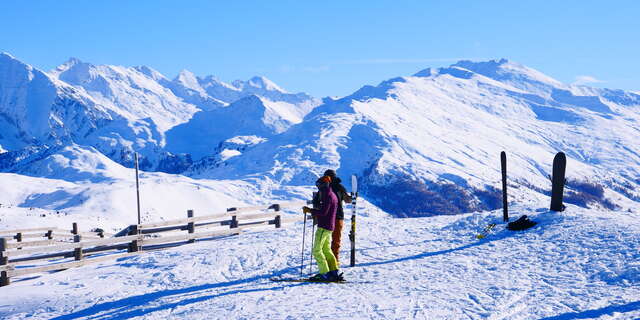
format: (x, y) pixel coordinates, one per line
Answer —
(431, 138)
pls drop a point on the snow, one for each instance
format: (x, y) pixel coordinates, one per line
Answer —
(227, 154)
(107, 199)
(252, 115)
(576, 264)
(70, 133)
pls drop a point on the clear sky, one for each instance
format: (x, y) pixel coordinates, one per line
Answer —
(329, 47)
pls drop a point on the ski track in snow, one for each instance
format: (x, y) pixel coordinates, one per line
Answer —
(573, 265)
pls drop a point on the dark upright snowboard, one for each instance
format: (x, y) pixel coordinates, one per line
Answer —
(557, 180)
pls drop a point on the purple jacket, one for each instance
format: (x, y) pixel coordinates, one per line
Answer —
(326, 215)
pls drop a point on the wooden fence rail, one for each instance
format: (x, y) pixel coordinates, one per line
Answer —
(90, 247)
(49, 233)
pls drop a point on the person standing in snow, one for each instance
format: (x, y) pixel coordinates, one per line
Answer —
(325, 216)
(342, 195)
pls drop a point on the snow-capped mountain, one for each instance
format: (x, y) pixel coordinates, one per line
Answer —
(116, 110)
(127, 92)
(34, 107)
(431, 142)
(186, 86)
(422, 144)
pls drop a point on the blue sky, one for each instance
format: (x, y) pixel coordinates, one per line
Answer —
(329, 47)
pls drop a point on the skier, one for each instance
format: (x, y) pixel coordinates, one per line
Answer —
(342, 195)
(325, 216)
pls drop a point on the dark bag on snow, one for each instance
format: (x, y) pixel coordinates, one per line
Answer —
(522, 223)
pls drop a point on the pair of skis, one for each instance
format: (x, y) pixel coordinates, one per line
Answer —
(352, 232)
(505, 209)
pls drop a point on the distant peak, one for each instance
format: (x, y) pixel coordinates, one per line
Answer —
(73, 60)
(7, 55)
(185, 72)
(424, 73)
(264, 83)
(69, 64)
(7, 58)
(498, 69)
(483, 65)
(149, 72)
(211, 78)
(186, 76)
(189, 80)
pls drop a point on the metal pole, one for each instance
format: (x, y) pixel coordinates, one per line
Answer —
(304, 232)
(505, 209)
(137, 188)
(313, 238)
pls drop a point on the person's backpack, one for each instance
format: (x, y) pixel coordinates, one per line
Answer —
(522, 223)
(316, 200)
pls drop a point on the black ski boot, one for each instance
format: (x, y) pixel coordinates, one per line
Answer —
(335, 276)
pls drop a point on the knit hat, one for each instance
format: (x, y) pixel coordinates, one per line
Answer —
(330, 173)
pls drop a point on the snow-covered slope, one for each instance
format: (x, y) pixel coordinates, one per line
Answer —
(576, 265)
(107, 199)
(249, 116)
(435, 138)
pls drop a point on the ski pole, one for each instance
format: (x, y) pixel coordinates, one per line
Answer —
(313, 238)
(304, 232)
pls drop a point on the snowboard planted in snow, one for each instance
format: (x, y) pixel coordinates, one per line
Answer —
(557, 181)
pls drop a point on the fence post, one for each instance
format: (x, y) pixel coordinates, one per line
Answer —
(234, 218)
(4, 277)
(3, 247)
(49, 234)
(278, 220)
(191, 227)
(77, 252)
(19, 238)
(234, 222)
(74, 229)
(134, 245)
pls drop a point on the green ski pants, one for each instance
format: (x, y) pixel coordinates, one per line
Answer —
(322, 251)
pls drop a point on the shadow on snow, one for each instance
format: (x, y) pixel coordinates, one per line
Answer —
(589, 314)
(136, 306)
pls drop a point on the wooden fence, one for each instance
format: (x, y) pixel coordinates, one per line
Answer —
(72, 248)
